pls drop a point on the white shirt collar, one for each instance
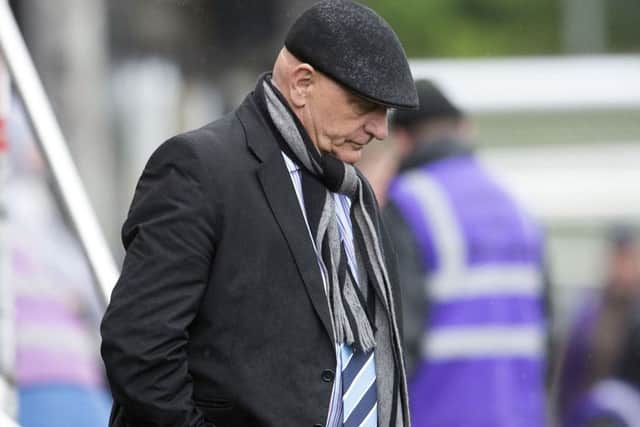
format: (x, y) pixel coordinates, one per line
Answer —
(292, 167)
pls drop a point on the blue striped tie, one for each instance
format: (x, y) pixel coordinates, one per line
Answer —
(359, 391)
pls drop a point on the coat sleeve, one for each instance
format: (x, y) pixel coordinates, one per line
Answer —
(169, 241)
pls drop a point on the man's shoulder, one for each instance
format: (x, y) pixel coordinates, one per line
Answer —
(220, 134)
(218, 142)
(228, 135)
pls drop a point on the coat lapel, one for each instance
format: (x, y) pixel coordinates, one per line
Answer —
(280, 194)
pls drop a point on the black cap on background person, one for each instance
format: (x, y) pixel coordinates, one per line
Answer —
(436, 128)
(433, 105)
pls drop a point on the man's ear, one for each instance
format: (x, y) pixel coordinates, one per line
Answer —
(302, 80)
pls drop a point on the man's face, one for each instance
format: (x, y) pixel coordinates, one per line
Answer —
(341, 123)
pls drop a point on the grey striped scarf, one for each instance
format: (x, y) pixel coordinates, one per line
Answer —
(351, 321)
(337, 176)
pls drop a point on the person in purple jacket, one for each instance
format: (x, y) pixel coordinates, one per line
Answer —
(58, 372)
(600, 372)
(470, 265)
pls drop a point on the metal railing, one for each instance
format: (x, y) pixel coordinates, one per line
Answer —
(54, 149)
(6, 421)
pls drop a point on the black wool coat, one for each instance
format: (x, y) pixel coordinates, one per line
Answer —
(219, 317)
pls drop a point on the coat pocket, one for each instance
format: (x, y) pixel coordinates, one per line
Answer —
(219, 412)
(213, 403)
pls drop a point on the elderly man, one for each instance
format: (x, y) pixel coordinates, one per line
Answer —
(257, 289)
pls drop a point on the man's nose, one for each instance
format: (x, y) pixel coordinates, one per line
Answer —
(377, 125)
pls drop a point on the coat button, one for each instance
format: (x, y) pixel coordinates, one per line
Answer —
(328, 375)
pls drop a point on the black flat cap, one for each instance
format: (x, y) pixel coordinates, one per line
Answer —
(433, 104)
(357, 48)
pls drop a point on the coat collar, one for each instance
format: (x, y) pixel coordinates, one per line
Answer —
(260, 133)
(262, 141)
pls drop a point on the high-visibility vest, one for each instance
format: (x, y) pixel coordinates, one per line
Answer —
(483, 347)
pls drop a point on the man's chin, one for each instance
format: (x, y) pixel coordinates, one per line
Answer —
(348, 153)
(351, 156)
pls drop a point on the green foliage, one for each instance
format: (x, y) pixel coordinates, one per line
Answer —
(624, 31)
(455, 28)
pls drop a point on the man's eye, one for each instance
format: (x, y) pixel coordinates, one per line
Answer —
(364, 107)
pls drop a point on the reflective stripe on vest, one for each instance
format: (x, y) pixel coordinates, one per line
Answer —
(455, 286)
(620, 398)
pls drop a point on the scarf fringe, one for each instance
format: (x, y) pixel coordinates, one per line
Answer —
(366, 337)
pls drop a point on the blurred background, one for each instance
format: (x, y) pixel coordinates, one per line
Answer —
(551, 87)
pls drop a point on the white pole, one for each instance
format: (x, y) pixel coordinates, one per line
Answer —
(5, 421)
(55, 151)
(7, 318)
